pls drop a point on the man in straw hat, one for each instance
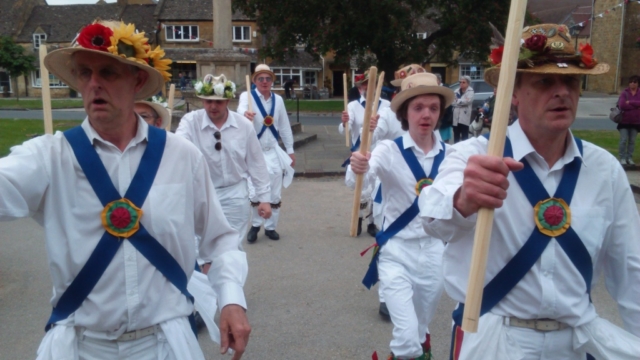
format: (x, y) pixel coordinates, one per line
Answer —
(546, 250)
(271, 123)
(121, 203)
(353, 117)
(153, 113)
(406, 260)
(232, 149)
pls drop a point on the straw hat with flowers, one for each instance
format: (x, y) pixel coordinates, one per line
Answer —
(160, 107)
(547, 49)
(215, 88)
(405, 71)
(118, 41)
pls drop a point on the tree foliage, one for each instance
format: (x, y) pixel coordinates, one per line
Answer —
(384, 28)
(14, 60)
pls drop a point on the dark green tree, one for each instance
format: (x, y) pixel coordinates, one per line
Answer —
(15, 61)
(384, 28)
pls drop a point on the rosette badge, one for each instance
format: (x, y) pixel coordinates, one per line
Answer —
(215, 88)
(117, 40)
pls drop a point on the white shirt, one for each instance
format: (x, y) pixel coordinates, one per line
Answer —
(280, 117)
(356, 117)
(43, 179)
(397, 181)
(603, 214)
(388, 128)
(240, 155)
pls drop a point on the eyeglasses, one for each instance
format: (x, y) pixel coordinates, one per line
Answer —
(147, 117)
(264, 79)
(217, 136)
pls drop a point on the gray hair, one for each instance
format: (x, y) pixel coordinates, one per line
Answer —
(467, 78)
(439, 77)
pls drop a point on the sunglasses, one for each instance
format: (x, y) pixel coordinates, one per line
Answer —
(217, 136)
(264, 79)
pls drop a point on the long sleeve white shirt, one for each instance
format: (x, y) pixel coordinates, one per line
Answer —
(388, 128)
(43, 179)
(240, 155)
(356, 117)
(281, 120)
(603, 214)
(397, 181)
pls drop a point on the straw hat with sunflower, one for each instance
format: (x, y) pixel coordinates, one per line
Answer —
(119, 41)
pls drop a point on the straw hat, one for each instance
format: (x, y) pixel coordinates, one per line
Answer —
(547, 49)
(160, 109)
(215, 88)
(117, 41)
(263, 69)
(420, 84)
(405, 71)
(361, 78)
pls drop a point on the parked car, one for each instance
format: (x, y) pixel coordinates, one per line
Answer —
(481, 93)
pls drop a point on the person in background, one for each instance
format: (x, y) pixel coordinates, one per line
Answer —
(629, 102)
(462, 110)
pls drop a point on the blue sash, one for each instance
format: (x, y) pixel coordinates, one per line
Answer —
(371, 277)
(531, 251)
(108, 245)
(263, 112)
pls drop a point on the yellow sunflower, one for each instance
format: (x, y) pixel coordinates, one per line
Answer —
(129, 45)
(156, 61)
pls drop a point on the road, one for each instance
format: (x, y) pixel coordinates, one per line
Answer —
(305, 298)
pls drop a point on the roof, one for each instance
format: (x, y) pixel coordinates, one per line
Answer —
(62, 23)
(302, 60)
(202, 10)
(14, 13)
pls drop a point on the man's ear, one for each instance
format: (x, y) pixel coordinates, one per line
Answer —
(141, 79)
(514, 99)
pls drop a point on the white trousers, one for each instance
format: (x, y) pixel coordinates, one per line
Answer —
(276, 197)
(236, 207)
(152, 347)
(412, 283)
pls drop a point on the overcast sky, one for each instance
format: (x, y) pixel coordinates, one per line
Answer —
(63, 2)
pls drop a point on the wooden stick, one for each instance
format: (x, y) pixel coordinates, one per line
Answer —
(46, 92)
(347, 138)
(249, 103)
(374, 111)
(373, 72)
(496, 147)
(172, 93)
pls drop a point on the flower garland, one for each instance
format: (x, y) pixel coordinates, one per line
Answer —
(125, 42)
(206, 87)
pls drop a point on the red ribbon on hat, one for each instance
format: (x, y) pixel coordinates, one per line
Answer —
(359, 78)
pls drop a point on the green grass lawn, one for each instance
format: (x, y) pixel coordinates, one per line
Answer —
(29, 103)
(14, 132)
(606, 139)
(315, 105)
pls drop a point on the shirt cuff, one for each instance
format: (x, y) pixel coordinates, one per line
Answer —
(231, 293)
(289, 151)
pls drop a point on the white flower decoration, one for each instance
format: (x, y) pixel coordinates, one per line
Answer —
(198, 86)
(218, 89)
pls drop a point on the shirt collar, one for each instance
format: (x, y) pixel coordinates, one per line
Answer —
(262, 96)
(408, 142)
(362, 99)
(142, 132)
(231, 121)
(522, 146)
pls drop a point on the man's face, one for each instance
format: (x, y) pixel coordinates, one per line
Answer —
(108, 87)
(547, 103)
(263, 83)
(363, 88)
(216, 109)
(423, 112)
(148, 114)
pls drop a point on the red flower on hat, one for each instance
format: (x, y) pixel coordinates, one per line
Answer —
(536, 43)
(587, 59)
(96, 37)
(359, 78)
(496, 55)
(403, 74)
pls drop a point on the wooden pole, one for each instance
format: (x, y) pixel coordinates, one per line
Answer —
(249, 102)
(496, 148)
(172, 93)
(374, 112)
(347, 138)
(355, 210)
(46, 92)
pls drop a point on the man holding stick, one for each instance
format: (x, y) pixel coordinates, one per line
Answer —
(271, 123)
(406, 260)
(546, 250)
(121, 203)
(353, 119)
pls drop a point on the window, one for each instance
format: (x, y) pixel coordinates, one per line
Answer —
(5, 81)
(38, 39)
(475, 72)
(188, 71)
(242, 33)
(310, 78)
(283, 75)
(54, 82)
(181, 33)
(422, 35)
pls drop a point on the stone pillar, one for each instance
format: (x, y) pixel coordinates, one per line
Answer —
(222, 24)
